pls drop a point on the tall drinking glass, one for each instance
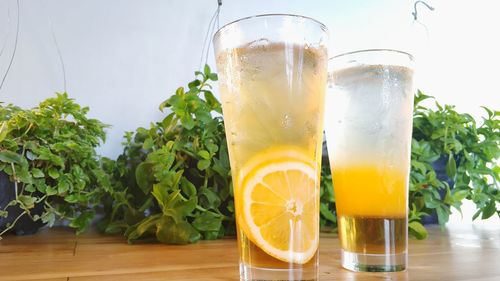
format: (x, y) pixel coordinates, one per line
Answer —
(273, 71)
(368, 131)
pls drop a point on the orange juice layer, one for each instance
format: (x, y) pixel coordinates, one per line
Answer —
(370, 190)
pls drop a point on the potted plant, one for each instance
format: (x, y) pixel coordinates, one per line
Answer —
(172, 183)
(453, 158)
(49, 169)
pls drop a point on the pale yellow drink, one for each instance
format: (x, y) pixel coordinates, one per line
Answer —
(272, 96)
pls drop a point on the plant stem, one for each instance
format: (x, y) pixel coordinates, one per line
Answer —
(12, 224)
(200, 208)
(15, 178)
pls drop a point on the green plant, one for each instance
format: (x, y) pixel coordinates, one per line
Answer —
(328, 213)
(172, 182)
(49, 154)
(471, 153)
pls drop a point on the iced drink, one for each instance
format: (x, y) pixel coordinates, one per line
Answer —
(368, 129)
(272, 92)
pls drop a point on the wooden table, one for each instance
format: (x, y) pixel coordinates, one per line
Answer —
(458, 253)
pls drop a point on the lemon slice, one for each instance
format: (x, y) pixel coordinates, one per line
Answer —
(279, 208)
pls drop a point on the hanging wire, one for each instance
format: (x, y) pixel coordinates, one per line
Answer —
(210, 30)
(6, 39)
(15, 48)
(219, 4)
(61, 61)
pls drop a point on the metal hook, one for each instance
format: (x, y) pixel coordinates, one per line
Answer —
(414, 13)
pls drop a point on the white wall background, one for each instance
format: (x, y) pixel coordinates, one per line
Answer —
(123, 57)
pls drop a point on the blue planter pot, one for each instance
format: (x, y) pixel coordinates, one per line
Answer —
(440, 169)
(25, 225)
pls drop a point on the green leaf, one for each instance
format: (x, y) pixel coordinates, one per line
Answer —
(185, 208)
(420, 96)
(63, 186)
(170, 232)
(489, 210)
(173, 204)
(40, 185)
(163, 105)
(143, 228)
(30, 155)
(8, 156)
(23, 175)
(212, 148)
(162, 196)
(82, 222)
(443, 214)
(476, 214)
(4, 130)
(203, 116)
(187, 121)
(187, 187)
(148, 144)
(194, 84)
(27, 202)
(168, 121)
(144, 176)
(53, 173)
(327, 213)
(459, 195)
(208, 221)
(72, 198)
(203, 164)
(50, 190)
(208, 199)
(418, 165)
(213, 77)
(29, 188)
(206, 70)
(490, 112)
(417, 230)
(211, 100)
(49, 218)
(451, 166)
(204, 154)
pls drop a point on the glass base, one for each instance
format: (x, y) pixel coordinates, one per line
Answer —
(249, 273)
(373, 262)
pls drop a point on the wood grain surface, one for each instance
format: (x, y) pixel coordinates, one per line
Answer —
(457, 253)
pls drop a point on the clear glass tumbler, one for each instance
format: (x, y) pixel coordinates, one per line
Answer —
(273, 71)
(368, 131)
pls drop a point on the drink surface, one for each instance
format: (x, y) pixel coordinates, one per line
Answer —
(368, 129)
(273, 95)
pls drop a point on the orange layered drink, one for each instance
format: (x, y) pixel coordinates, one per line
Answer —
(368, 130)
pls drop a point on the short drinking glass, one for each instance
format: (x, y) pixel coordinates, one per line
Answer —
(368, 131)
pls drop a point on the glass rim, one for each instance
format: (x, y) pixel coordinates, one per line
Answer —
(321, 25)
(364, 51)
